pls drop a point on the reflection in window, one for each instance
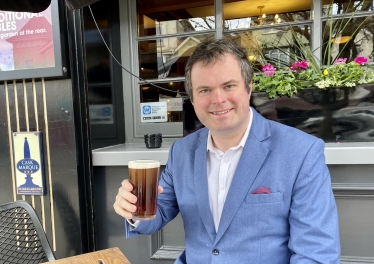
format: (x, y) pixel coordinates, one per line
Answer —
(98, 66)
(100, 94)
(169, 17)
(351, 38)
(244, 14)
(279, 57)
(166, 58)
(170, 92)
(335, 7)
(98, 57)
(275, 46)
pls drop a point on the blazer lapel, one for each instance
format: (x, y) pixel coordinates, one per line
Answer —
(251, 161)
(201, 186)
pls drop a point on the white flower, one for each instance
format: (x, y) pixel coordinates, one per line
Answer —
(350, 84)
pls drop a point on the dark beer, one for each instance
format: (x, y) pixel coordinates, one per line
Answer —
(144, 177)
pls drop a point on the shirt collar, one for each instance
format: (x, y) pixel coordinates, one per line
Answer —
(210, 146)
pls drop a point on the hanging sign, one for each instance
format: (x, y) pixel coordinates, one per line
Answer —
(28, 162)
(174, 104)
(154, 112)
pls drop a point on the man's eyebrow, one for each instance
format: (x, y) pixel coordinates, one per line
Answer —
(230, 81)
(202, 87)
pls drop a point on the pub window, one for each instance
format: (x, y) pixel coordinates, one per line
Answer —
(103, 75)
(164, 34)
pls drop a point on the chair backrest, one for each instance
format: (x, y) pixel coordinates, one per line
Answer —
(22, 238)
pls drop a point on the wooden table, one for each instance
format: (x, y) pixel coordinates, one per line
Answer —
(106, 256)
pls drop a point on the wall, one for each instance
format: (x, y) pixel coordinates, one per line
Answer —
(45, 106)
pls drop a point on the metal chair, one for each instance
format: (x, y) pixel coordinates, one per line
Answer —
(22, 238)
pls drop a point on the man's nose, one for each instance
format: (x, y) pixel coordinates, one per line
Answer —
(218, 96)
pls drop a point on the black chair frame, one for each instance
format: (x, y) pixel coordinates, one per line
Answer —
(22, 238)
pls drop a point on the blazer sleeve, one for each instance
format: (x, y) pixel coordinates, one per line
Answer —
(314, 227)
(167, 206)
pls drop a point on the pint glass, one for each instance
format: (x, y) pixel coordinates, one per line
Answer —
(144, 177)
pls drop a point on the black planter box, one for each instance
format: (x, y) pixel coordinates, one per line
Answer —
(334, 115)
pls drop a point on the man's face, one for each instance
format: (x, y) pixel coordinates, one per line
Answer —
(220, 99)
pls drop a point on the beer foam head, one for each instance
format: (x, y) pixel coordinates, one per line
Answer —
(143, 164)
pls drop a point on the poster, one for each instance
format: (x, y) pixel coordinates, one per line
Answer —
(30, 45)
(28, 162)
(26, 40)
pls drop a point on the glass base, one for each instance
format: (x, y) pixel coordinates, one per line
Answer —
(142, 218)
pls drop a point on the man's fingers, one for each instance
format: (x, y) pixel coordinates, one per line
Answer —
(126, 184)
(124, 207)
(125, 200)
(119, 210)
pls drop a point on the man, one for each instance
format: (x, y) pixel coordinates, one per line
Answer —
(249, 190)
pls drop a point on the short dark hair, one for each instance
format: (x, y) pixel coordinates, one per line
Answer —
(212, 50)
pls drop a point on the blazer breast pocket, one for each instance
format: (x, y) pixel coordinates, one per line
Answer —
(276, 197)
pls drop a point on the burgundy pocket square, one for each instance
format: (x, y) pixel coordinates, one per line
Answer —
(261, 190)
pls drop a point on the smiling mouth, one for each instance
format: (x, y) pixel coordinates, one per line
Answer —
(221, 112)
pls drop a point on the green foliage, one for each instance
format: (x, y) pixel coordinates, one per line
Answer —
(307, 71)
(288, 82)
(282, 83)
(347, 75)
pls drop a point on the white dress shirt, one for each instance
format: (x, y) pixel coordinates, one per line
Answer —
(221, 167)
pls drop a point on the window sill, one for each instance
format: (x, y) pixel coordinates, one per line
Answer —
(120, 155)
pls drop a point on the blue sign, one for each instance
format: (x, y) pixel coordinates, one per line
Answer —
(28, 156)
(28, 166)
(153, 112)
(147, 109)
(106, 111)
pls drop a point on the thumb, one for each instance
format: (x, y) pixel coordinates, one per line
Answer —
(160, 189)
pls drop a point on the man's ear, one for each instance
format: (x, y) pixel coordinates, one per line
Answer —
(250, 88)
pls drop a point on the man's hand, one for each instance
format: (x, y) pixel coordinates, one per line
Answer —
(125, 200)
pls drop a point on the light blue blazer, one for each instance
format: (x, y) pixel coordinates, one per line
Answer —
(296, 223)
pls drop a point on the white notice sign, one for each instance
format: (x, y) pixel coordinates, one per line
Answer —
(174, 104)
(101, 114)
(154, 112)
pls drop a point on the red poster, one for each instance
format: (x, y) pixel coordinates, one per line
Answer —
(26, 40)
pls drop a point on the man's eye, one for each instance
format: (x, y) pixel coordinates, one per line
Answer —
(229, 86)
(204, 91)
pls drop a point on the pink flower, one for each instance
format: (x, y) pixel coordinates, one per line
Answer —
(340, 61)
(361, 60)
(268, 69)
(299, 65)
